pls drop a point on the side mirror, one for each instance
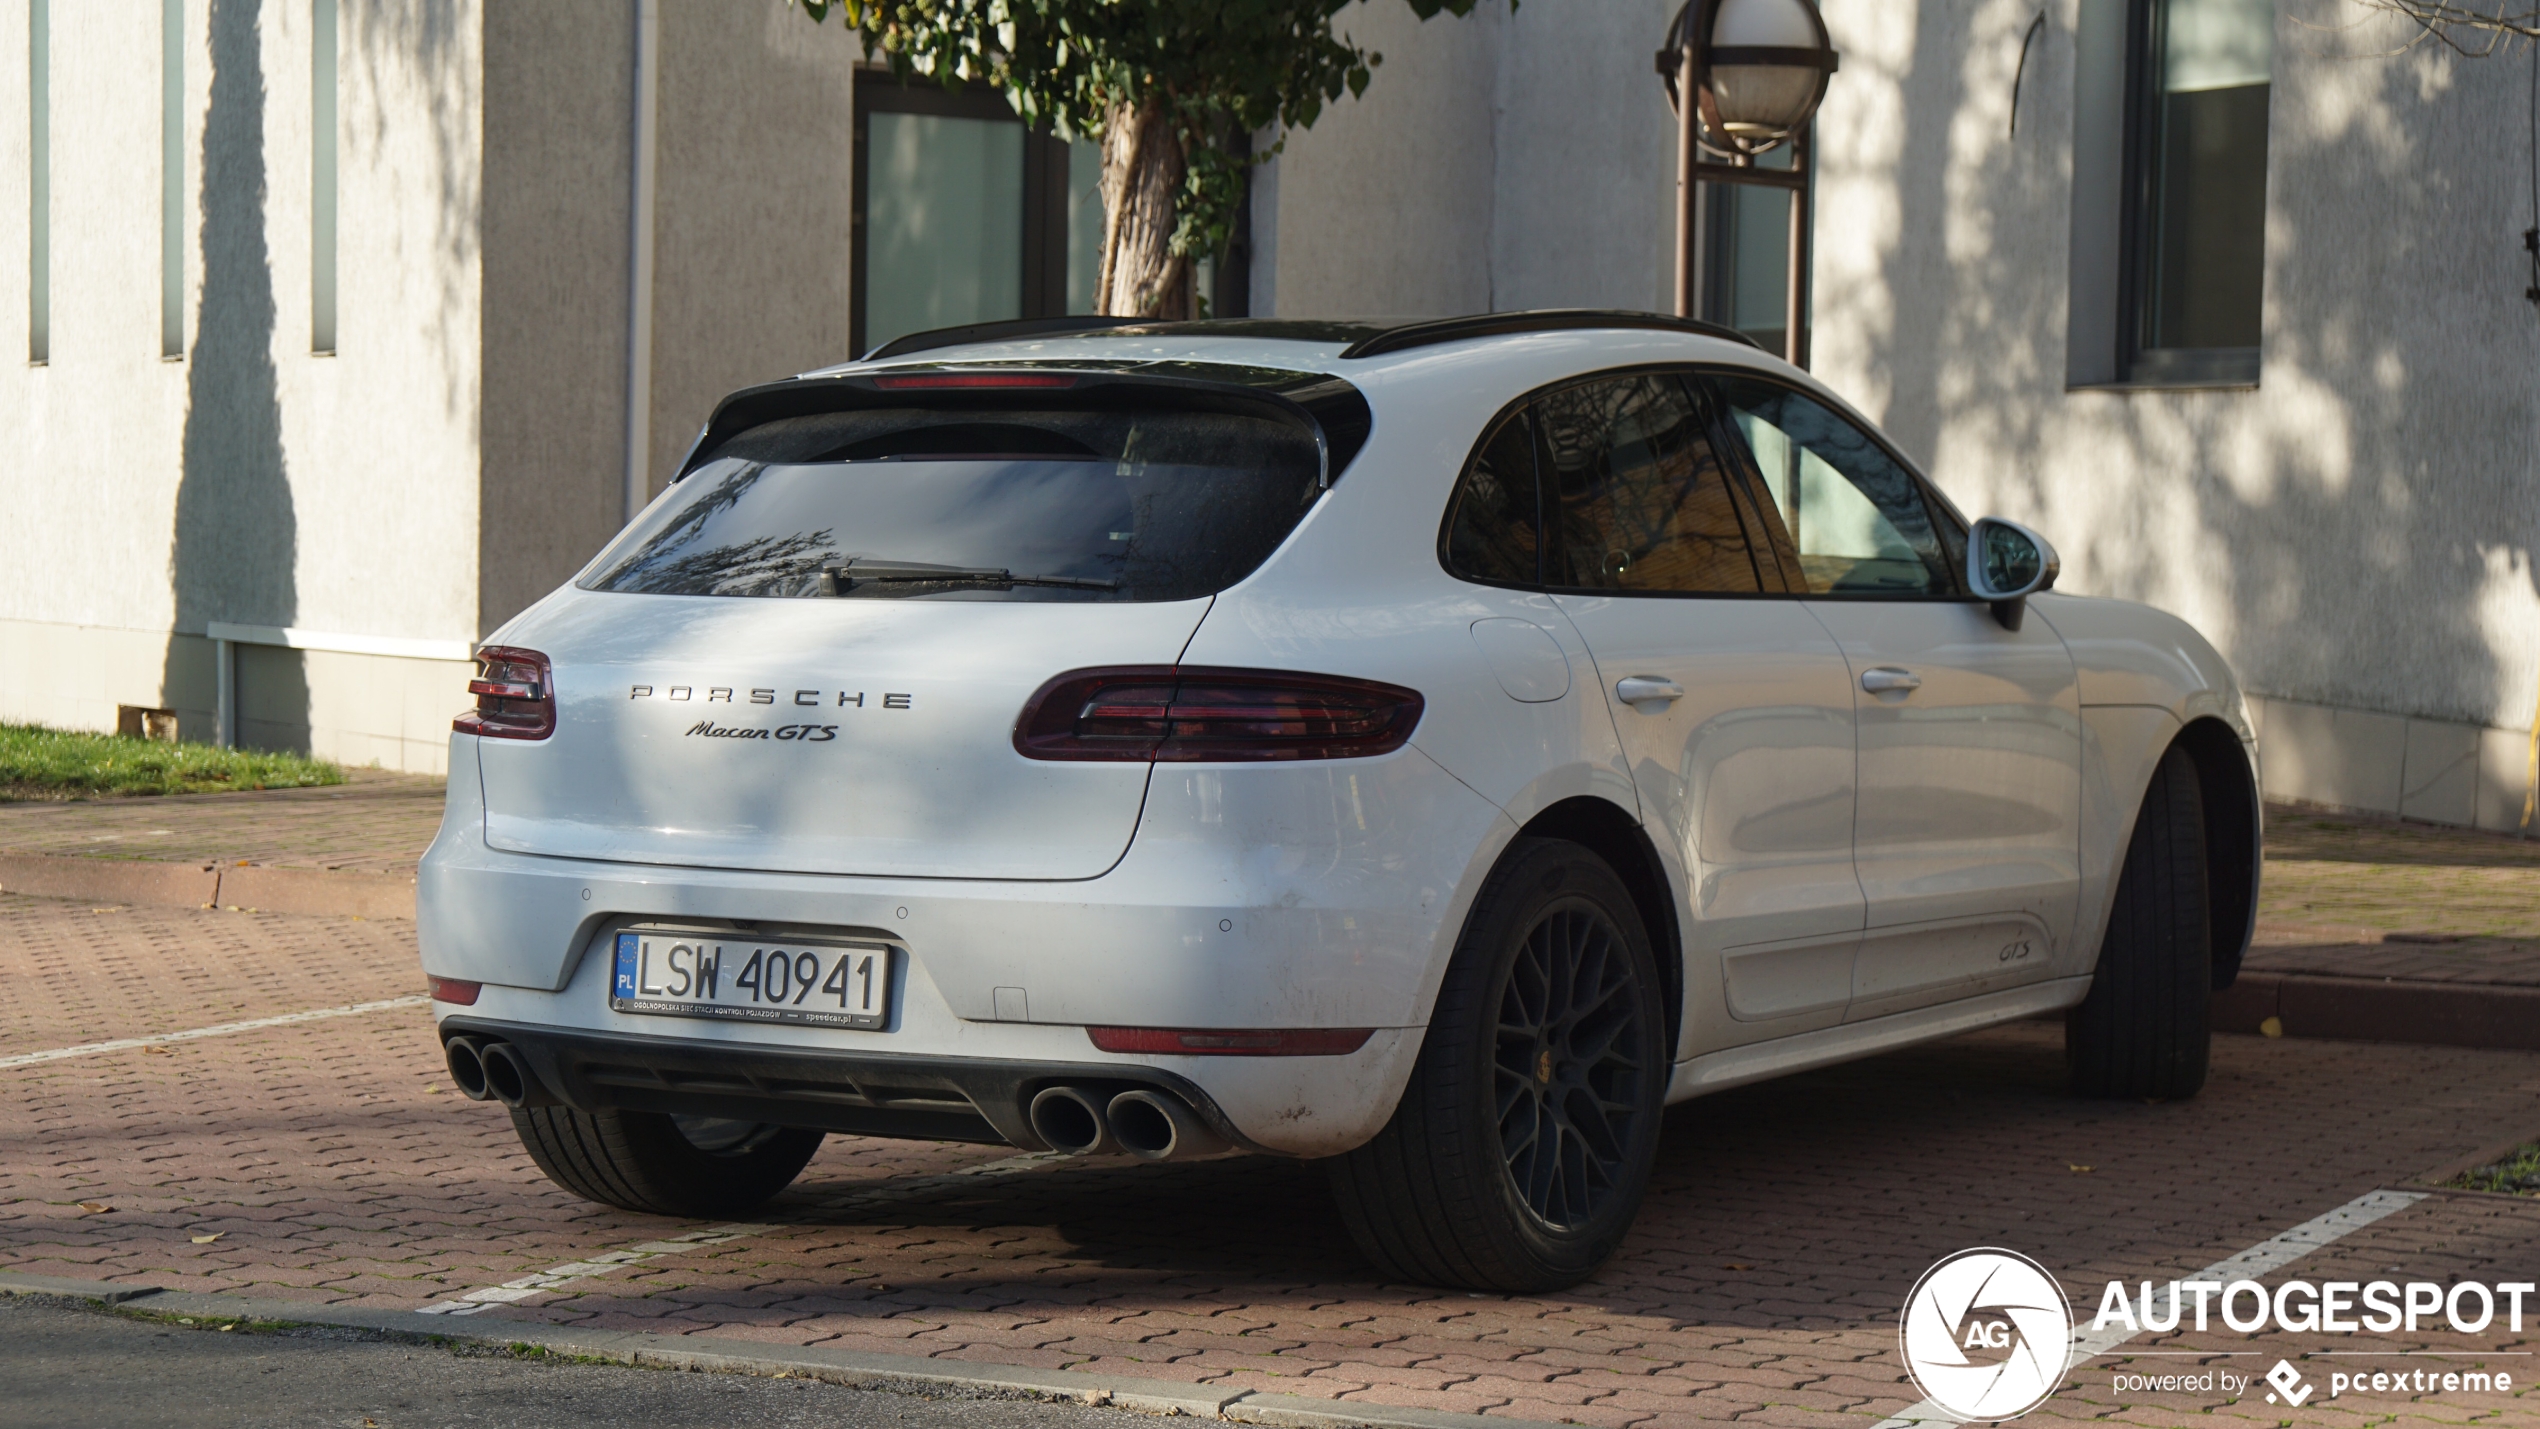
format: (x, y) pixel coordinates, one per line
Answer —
(2006, 564)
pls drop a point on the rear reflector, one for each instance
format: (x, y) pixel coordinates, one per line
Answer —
(515, 695)
(972, 379)
(450, 989)
(1197, 714)
(1233, 1041)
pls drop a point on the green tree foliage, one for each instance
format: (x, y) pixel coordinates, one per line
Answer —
(1216, 69)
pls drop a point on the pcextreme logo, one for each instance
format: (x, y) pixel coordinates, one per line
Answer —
(1987, 1334)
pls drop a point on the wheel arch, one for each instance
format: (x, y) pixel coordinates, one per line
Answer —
(2234, 834)
(1612, 834)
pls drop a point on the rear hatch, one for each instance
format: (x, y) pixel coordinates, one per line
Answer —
(809, 655)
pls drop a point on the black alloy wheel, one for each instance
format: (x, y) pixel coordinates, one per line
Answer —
(1522, 1145)
(1573, 1066)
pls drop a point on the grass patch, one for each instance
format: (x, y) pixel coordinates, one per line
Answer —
(40, 763)
(2517, 1175)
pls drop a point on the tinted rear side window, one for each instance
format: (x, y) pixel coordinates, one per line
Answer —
(1494, 533)
(1136, 505)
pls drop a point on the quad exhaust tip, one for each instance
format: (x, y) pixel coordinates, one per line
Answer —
(1150, 1125)
(500, 1074)
(1158, 1127)
(467, 1068)
(1070, 1119)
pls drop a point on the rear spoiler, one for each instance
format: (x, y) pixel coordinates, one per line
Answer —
(1331, 408)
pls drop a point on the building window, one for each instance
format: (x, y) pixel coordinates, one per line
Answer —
(172, 178)
(322, 55)
(964, 216)
(2197, 166)
(1745, 262)
(39, 201)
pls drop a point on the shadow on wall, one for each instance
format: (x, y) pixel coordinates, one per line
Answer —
(237, 538)
(2358, 532)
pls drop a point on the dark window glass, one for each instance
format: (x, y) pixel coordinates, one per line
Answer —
(1640, 500)
(2201, 152)
(1492, 535)
(1092, 505)
(1854, 516)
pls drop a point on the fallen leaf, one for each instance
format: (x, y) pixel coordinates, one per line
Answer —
(432, 1089)
(2078, 1170)
(1741, 1267)
(879, 1288)
(208, 1239)
(2272, 1027)
(95, 1207)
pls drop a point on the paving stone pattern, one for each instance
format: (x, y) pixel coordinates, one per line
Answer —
(377, 823)
(1761, 1284)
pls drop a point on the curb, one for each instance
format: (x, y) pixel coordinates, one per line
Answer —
(2490, 1016)
(897, 1374)
(197, 885)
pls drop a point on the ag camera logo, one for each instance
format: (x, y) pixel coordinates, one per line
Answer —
(1987, 1334)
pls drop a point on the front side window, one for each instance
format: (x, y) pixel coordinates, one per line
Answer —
(1634, 494)
(1021, 505)
(2199, 157)
(1853, 515)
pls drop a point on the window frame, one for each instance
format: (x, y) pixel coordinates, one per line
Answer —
(1949, 526)
(1045, 183)
(2139, 210)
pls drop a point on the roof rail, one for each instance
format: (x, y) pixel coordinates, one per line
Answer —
(1427, 334)
(995, 332)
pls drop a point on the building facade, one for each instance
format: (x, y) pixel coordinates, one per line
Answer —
(353, 326)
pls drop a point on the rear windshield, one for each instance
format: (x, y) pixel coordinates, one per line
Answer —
(918, 504)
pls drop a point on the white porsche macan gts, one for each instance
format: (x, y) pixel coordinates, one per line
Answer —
(1430, 748)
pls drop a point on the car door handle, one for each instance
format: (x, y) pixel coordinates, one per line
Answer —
(1885, 679)
(1636, 690)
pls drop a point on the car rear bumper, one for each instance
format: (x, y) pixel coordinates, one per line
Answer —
(1273, 897)
(864, 1092)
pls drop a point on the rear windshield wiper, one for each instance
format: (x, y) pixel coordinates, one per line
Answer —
(855, 573)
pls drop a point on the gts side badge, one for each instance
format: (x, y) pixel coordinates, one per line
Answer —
(800, 733)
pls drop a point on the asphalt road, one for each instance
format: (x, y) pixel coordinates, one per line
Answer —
(63, 1366)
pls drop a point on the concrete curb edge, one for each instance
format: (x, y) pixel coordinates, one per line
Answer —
(326, 892)
(899, 1374)
(2486, 1016)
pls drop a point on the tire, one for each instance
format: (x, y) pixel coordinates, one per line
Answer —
(645, 1161)
(1436, 1197)
(2146, 1028)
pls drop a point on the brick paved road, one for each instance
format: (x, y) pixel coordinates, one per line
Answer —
(1761, 1284)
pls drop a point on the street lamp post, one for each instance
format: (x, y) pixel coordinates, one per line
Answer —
(1744, 77)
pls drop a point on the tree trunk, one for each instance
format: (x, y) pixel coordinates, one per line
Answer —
(1142, 171)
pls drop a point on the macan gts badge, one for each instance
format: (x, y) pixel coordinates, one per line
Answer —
(1426, 750)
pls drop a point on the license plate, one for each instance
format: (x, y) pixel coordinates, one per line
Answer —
(678, 974)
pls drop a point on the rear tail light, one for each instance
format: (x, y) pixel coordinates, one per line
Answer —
(457, 990)
(1195, 714)
(515, 695)
(1233, 1041)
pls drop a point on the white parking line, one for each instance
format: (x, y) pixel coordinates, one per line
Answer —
(2273, 1253)
(513, 1291)
(224, 1029)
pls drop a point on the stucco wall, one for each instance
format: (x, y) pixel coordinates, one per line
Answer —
(752, 270)
(559, 94)
(1384, 208)
(249, 480)
(2356, 532)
